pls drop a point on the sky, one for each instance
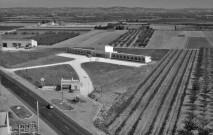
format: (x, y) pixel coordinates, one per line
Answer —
(108, 3)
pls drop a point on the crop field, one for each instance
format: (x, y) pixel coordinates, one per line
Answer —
(51, 38)
(197, 110)
(198, 42)
(162, 27)
(134, 38)
(167, 39)
(209, 36)
(153, 108)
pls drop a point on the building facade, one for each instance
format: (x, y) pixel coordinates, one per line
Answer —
(70, 84)
(18, 43)
(4, 124)
(111, 54)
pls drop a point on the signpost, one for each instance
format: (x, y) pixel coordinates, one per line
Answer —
(42, 82)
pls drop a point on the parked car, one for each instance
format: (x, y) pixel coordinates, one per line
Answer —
(28, 46)
(50, 106)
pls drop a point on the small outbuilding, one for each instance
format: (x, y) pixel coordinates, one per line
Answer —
(18, 43)
(4, 124)
(70, 84)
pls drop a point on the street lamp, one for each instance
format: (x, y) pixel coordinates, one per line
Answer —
(0, 85)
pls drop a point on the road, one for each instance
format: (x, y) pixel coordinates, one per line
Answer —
(62, 124)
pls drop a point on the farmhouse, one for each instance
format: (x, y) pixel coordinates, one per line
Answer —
(18, 43)
(4, 123)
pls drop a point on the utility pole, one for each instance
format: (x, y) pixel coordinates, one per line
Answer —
(62, 97)
(37, 117)
(0, 86)
(26, 72)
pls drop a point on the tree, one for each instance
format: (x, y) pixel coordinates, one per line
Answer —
(204, 131)
(184, 132)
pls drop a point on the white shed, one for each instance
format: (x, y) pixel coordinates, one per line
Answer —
(18, 43)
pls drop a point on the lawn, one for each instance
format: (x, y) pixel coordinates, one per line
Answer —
(9, 59)
(198, 42)
(22, 112)
(113, 80)
(156, 54)
(44, 61)
(52, 75)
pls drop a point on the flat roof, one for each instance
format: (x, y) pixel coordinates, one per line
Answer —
(4, 131)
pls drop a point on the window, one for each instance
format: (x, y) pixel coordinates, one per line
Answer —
(19, 44)
(4, 44)
(14, 44)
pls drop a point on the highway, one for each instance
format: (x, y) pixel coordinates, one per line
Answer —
(58, 121)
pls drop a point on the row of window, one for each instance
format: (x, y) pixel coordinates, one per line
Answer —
(14, 44)
(114, 56)
(127, 57)
(79, 51)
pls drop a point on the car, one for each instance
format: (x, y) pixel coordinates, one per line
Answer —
(28, 46)
(50, 106)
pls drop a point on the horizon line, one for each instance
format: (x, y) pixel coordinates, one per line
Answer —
(109, 7)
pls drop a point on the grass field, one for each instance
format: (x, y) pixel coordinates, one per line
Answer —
(22, 113)
(198, 42)
(9, 59)
(52, 75)
(93, 39)
(52, 59)
(113, 80)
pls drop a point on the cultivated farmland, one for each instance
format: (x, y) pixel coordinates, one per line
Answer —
(198, 42)
(153, 107)
(171, 39)
(134, 38)
(197, 110)
(51, 38)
